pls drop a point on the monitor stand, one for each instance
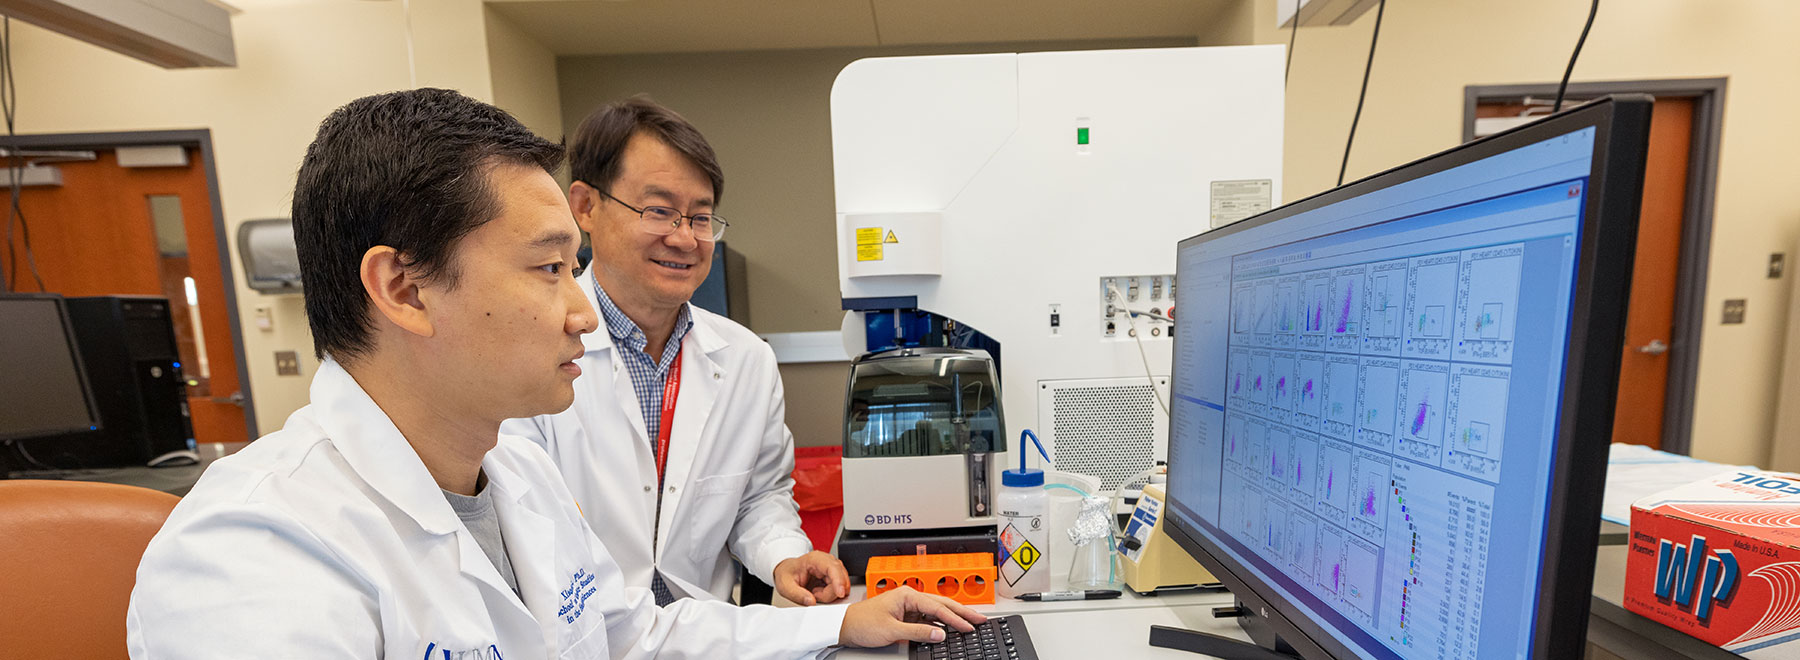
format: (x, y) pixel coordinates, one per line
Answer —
(1264, 644)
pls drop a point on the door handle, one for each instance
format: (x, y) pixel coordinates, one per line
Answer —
(1655, 347)
(236, 399)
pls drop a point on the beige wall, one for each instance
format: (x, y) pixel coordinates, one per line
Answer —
(524, 76)
(297, 61)
(1430, 50)
(815, 401)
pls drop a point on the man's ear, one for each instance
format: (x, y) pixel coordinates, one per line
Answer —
(393, 291)
(584, 203)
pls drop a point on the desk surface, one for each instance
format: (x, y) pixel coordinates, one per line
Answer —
(1098, 634)
(1203, 598)
(174, 480)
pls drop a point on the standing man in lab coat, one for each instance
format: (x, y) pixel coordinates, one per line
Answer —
(389, 518)
(677, 447)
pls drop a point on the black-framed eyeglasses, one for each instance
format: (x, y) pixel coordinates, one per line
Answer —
(662, 220)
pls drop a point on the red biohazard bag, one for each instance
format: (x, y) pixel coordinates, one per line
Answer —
(819, 490)
(819, 478)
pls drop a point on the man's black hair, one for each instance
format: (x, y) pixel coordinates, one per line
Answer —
(408, 170)
(597, 149)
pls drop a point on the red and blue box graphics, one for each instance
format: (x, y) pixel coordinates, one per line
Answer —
(1719, 559)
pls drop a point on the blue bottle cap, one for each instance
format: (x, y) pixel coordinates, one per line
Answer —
(1023, 478)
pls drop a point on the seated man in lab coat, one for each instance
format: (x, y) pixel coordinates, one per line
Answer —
(389, 518)
(677, 447)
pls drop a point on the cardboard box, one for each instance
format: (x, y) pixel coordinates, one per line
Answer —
(1719, 559)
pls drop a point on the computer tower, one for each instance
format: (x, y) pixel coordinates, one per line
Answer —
(127, 345)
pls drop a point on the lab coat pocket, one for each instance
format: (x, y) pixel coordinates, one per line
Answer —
(714, 505)
(591, 645)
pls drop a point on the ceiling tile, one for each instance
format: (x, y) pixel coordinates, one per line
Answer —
(967, 21)
(609, 27)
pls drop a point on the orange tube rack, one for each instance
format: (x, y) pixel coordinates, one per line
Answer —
(966, 578)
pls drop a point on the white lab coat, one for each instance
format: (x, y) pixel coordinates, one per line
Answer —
(329, 539)
(729, 484)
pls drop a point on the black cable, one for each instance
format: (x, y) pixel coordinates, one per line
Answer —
(1564, 87)
(1292, 33)
(9, 105)
(12, 257)
(1374, 39)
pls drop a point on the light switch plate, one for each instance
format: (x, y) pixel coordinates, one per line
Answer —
(1734, 311)
(287, 363)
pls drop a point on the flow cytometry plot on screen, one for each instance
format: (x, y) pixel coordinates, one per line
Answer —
(1384, 308)
(1332, 545)
(1430, 300)
(1265, 306)
(1274, 527)
(1287, 310)
(1258, 432)
(1488, 302)
(1369, 495)
(1281, 394)
(1302, 538)
(1276, 464)
(1243, 310)
(1260, 384)
(1303, 462)
(1309, 391)
(1315, 292)
(1377, 395)
(1332, 483)
(1242, 511)
(1424, 408)
(1478, 396)
(1344, 309)
(1237, 441)
(1340, 396)
(1237, 378)
(1363, 570)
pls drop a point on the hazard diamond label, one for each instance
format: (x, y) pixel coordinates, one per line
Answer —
(1017, 555)
(1026, 555)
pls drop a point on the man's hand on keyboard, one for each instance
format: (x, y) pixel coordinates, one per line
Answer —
(887, 618)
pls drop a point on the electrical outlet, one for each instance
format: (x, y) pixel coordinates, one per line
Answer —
(287, 363)
(1777, 263)
(1734, 311)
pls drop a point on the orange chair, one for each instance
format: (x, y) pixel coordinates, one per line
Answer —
(69, 553)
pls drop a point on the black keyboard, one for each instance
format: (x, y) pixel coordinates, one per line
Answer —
(1001, 638)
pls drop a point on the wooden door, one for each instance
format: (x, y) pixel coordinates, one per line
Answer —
(1650, 320)
(98, 234)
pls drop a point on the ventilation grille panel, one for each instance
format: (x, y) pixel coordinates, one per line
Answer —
(1105, 431)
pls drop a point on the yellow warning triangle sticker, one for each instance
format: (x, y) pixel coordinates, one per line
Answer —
(891, 238)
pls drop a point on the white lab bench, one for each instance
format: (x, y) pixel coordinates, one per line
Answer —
(1091, 629)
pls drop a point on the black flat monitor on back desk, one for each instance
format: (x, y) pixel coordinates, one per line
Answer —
(44, 390)
(1392, 401)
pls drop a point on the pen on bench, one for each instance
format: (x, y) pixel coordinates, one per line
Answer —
(1091, 594)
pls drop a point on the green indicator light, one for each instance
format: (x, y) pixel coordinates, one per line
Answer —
(1081, 135)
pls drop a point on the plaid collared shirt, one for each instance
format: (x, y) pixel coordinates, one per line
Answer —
(647, 375)
(647, 378)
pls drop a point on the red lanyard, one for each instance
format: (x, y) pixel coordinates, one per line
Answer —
(671, 389)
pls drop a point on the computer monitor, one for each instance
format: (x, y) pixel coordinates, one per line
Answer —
(1392, 401)
(43, 388)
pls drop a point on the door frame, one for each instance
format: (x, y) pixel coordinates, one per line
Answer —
(1696, 222)
(201, 139)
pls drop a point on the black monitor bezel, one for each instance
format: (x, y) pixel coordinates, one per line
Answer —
(81, 374)
(1590, 380)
